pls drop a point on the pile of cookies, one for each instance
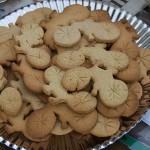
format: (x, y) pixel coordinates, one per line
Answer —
(70, 71)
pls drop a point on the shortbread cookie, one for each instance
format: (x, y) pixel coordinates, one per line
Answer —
(111, 60)
(10, 101)
(28, 96)
(33, 78)
(8, 33)
(81, 102)
(71, 13)
(145, 57)
(67, 36)
(125, 42)
(131, 104)
(99, 31)
(81, 123)
(131, 73)
(30, 17)
(136, 88)
(7, 52)
(105, 126)
(144, 78)
(3, 80)
(18, 123)
(82, 43)
(112, 92)
(100, 16)
(45, 11)
(110, 112)
(31, 35)
(58, 130)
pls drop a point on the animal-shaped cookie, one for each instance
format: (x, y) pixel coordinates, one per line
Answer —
(81, 123)
(126, 41)
(145, 58)
(3, 80)
(144, 78)
(32, 36)
(71, 13)
(10, 101)
(33, 78)
(27, 95)
(8, 33)
(131, 73)
(105, 126)
(81, 102)
(18, 123)
(100, 16)
(112, 92)
(99, 31)
(35, 16)
(7, 52)
(111, 60)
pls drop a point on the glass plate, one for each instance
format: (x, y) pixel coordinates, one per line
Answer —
(116, 14)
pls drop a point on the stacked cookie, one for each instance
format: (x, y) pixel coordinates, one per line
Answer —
(70, 71)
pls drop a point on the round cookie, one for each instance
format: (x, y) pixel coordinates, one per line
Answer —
(38, 58)
(58, 130)
(105, 126)
(75, 79)
(136, 87)
(67, 36)
(40, 123)
(10, 101)
(110, 112)
(83, 102)
(131, 104)
(114, 95)
(70, 59)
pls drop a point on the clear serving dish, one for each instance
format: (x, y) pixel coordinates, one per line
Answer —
(18, 141)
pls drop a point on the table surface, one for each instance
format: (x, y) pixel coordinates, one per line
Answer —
(142, 131)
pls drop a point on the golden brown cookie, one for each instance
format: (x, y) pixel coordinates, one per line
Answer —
(7, 52)
(79, 122)
(27, 95)
(131, 104)
(112, 92)
(33, 78)
(145, 57)
(74, 12)
(136, 88)
(100, 16)
(126, 41)
(105, 126)
(81, 102)
(131, 72)
(10, 101)
(110, 112)
(67, 36)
